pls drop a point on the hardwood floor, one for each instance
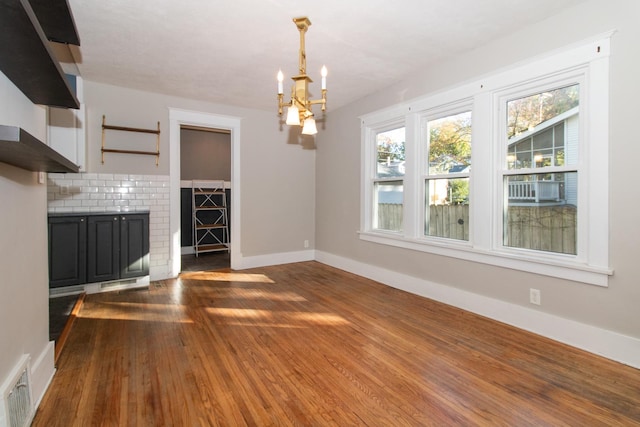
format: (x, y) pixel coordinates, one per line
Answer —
(307, 344)
(206, 261)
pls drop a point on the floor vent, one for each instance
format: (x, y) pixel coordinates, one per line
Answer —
(117, 284)
(17, 406)
(66, 291)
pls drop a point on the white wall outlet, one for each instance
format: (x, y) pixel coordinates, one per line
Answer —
(64, 190)
(306, 243)
(42, 178)
(534, 296)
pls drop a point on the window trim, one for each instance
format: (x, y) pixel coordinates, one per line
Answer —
(500, 100)
(424, 117)
(369, 151)
(591, 60)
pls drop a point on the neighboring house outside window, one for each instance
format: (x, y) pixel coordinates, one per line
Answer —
(532, 200)
(541, 176)
(388, 180)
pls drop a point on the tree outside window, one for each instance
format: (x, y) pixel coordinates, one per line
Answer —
(447, 179)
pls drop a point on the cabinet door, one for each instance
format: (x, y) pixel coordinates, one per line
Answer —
(67, 251)
(134, 245)
(103, 244)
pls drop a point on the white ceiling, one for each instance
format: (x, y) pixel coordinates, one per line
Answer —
(229, 52)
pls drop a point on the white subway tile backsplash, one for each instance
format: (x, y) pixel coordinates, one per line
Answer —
(91, 192)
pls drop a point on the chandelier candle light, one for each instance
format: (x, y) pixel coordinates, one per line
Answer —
(299, 112)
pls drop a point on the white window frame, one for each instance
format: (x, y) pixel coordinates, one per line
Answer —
(588, 62)
(501, 98)
(370, 149)
(425, 117)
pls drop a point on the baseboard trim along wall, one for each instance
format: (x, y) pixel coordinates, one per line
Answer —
(273, 259)
(42, 371)
(612, 345)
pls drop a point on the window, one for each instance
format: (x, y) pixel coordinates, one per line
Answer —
(446, 179)
(541, 171)
(388, 181)
(537, 135)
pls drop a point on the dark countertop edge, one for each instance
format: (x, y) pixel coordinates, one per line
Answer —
(63, 214)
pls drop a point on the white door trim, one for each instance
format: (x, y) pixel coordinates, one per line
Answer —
(177, 118)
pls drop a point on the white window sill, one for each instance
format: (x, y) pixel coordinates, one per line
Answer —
(563, 269)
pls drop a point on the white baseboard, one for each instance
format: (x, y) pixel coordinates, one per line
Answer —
(612, 345)
(117, 285)
(274, 259)
(42, 371)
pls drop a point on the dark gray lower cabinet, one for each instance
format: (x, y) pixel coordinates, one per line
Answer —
(97, 248)
(67, 251)
(134, 245)
(103, 248)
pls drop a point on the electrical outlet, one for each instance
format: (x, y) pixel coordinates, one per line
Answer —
(534, 296)
(306, 243)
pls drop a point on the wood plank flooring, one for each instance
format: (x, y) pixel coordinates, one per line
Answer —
(306, 344)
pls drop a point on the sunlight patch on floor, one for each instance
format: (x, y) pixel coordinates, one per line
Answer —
(257, 294)
(135, 311)
(221, 276)
(253, 317)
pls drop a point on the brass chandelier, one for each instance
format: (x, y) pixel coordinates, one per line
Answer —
(299, 108)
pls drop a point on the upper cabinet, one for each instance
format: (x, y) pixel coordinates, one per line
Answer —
(25, 56)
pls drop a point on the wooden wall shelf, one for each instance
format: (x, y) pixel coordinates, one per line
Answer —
(156, 132)
(27, 59)
(56, 20)
(20, 148)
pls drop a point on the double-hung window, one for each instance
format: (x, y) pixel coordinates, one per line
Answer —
(388, 179)
(446, 170)
(536, 197)
(540, 135)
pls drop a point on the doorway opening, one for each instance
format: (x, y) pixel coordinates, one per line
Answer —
(205, 157)
(179, 119)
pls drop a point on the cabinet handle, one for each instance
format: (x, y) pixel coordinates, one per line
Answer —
(115, 218)
(123, 218)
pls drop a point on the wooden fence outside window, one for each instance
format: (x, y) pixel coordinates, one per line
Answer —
(544, 228)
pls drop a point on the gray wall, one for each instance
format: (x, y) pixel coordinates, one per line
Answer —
(204, 155)
(24, 282)
(614, 308)
(270, 164)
